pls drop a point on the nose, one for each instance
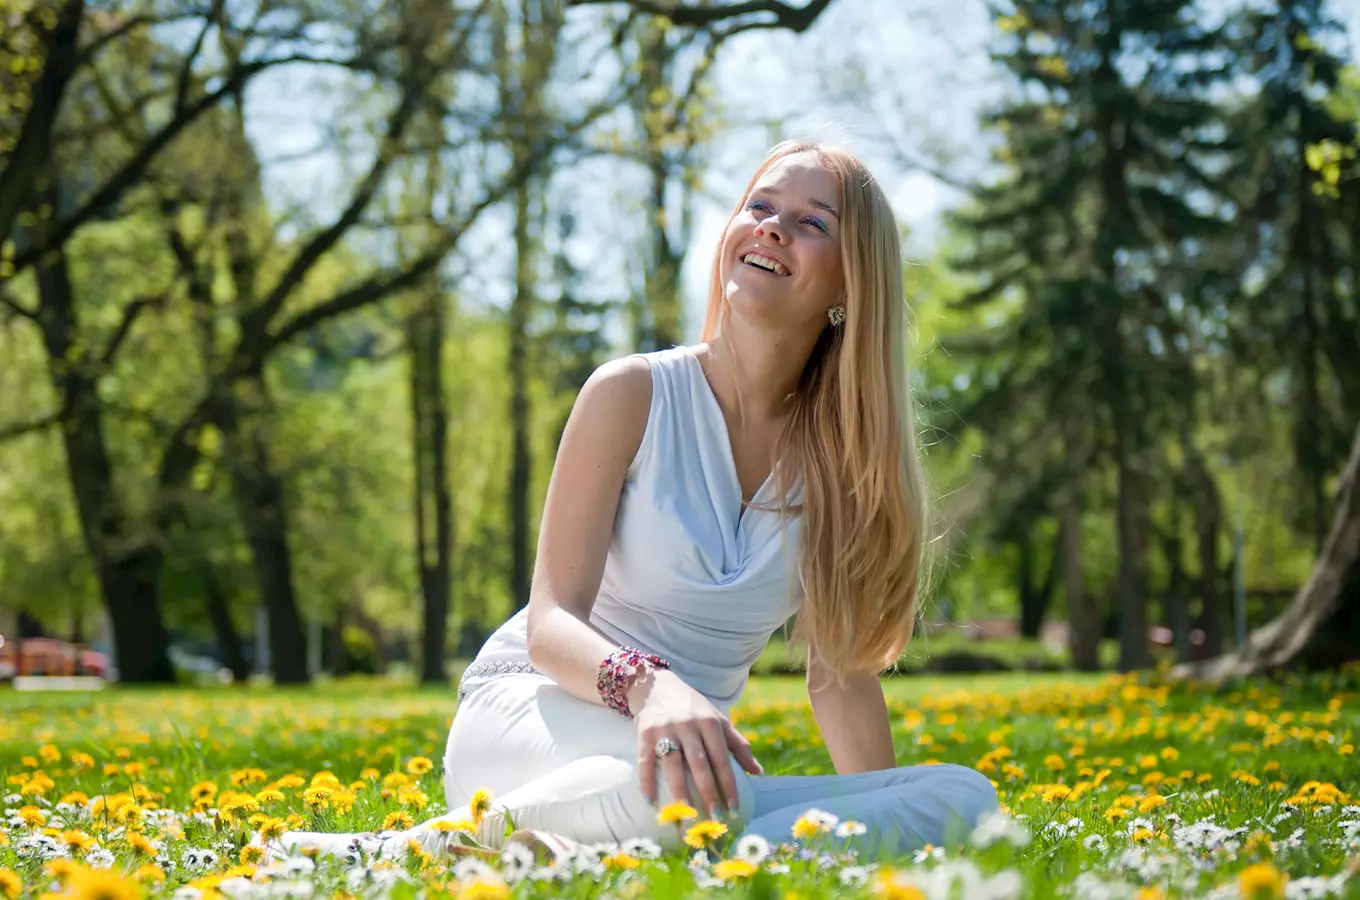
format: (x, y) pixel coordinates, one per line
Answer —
(771, 227)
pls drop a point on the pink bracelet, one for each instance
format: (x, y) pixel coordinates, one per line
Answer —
(617, 672)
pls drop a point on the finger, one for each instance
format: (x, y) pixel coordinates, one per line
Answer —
(741, 749)
(701, 768)
(647, 768)
(673, 765)
(715, 744)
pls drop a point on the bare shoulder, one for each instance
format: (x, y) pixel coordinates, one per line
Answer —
(613, 405)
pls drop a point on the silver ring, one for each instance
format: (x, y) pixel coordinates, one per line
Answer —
(664, 747)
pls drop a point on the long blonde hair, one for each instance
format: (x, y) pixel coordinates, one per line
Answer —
(851, 437)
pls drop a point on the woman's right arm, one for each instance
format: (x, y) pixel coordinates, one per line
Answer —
(602, 436)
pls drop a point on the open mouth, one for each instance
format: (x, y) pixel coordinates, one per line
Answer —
(764, 264)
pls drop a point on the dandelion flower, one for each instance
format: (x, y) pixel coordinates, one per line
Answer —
(701, 834)
(397, 821)
(480, 805)
(674, 813)
(730, 869)
(10, 884)
(418, 765)
(94, 884)
(1261, 881)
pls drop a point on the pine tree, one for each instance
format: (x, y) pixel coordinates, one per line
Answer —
(1108, 184)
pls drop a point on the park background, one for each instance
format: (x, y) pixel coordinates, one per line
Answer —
(295, 299)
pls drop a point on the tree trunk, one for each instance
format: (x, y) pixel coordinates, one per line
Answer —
(519, 403)
(228, 637)
(127, 565)
(1131, 586)
(1083, 619)
(433, 503)
(1321, 627)
(262, 505)
(1035, 598)
(1208, 511)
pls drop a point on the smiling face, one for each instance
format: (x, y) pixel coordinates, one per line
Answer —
(782, 251)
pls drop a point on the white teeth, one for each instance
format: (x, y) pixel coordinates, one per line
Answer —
(765, 263)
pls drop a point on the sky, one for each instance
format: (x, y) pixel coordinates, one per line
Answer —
(928, 77)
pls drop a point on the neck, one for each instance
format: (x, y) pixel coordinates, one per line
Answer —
(764, 368)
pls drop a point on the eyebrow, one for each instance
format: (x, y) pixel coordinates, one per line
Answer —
(775, 192)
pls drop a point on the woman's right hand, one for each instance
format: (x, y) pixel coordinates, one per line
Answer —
(664, 706)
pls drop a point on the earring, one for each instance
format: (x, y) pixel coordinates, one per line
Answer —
(836, 314)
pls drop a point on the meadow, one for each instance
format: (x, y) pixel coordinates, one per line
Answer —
(1112, 787)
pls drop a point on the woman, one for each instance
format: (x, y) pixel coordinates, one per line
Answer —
(702, 496)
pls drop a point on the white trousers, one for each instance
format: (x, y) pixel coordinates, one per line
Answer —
(559, 765)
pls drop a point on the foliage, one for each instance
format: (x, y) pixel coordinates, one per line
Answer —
(1117, 787)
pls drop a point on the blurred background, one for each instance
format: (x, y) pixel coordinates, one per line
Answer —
(296, 295)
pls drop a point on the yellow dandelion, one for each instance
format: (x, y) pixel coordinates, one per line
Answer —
(1150, 893)
(99, 884)
(243, 777)
(270, 795)
(450, 825)
(889, 886)
(49, 754)
(76, 798)
(397, 821)
(620, 860)
(419, 765)
(701, 834)
(32, 816)
(11, 885)
(139, 843)
(82, 760)
(77, 841)
(808, 827)
(317, 797)
(1261, 881)
(61, 869)
(485, 888)
(412, 797)
(272, 828)
(480, 805)
(204, 790)
(730, 869)
(1055, 762)
(674, 813)
(251, 854)
(343, 801)
(149, 874)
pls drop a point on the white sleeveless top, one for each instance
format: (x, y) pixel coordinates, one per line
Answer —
(689, 576)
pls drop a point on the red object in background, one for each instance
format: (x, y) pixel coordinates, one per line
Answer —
(49, 656)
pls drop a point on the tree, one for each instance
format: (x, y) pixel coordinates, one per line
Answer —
(1098, 197)
(1321, 627)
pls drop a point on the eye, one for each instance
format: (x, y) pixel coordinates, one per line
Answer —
(759, 204)
(819, 223)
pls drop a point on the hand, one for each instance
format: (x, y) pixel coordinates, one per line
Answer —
(664, 706)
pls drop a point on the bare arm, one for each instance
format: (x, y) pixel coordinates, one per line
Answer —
(853, 720)
(602, 436)
(603, 433)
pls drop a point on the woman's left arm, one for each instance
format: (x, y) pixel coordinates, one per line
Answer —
(853, 719)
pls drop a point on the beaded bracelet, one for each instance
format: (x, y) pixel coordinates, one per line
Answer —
(617, 671)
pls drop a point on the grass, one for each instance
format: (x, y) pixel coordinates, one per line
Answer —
(1114, 787)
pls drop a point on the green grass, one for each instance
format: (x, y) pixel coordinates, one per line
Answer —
(1122, 764)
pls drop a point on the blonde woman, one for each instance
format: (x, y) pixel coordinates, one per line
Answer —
(703, 495)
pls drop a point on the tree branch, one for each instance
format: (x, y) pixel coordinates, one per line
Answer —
(34, 146)
(126, 177)
(17, 308)
(258, 319)
(130, 314)
(794, 18)
(14, 431)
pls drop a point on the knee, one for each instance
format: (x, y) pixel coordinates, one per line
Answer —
(971, 794)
